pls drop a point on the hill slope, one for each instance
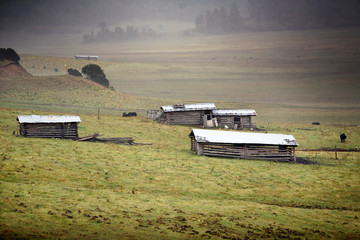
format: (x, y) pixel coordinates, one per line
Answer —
(10, 69)
(172, 83)
(74, 190)
(69, 94)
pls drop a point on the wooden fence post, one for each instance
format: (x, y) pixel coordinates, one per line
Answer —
(336, 158)
(98, 113)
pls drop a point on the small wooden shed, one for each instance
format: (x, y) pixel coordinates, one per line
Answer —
(186, 114)
(234, 118)
(49, 126)
(243, 145)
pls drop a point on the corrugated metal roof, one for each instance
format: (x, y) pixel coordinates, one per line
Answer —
(47, 119)
(188, 107)
(234, 112)
(215, 136)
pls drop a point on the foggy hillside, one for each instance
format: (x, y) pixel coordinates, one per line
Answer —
(62, 16)
(69, 16)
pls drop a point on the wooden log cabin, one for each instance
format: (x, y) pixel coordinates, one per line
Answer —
(243, 145)
(204, 115)
(186, 114)
(45, 126)
(233, 119)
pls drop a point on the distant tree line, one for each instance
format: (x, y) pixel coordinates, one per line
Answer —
(280, 15)
(9, 54)
(96, 74)
(302, 14)
(219, 21)
(92, 72)
(74, 72)
(104, 34)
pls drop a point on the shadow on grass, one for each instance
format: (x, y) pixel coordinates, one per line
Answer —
(305, 161)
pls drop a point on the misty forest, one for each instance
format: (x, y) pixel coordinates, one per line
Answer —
(180, 119)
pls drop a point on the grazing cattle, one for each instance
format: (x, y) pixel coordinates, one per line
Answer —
(315, 123)
(130, 114)
(342, 137)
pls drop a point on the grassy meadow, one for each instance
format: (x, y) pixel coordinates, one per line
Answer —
(301, 68)
(288, 76)
(63, 189)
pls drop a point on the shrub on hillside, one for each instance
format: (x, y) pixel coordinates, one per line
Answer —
(74, 72)
(96, 74)
(9, 54)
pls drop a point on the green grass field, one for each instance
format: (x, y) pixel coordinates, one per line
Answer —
(69, 190)
(302, 68)
(62, 189)
(290, 76)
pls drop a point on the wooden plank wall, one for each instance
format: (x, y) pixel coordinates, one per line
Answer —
(245, 122)
(154, 114)
(259, 152)
(226, 121)
(249, 152)
(184, 118)
(229, 121)
(46, 130)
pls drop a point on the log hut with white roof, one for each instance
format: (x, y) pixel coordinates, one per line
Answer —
(233, 118)
(49, 126)
(185, 114)
(243, 145)
(204, 115)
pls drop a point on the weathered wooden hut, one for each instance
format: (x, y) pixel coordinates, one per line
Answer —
(49, 126)
(154, 114)
(234, 118)
(204, 115)
(243, 145)
(186, 114)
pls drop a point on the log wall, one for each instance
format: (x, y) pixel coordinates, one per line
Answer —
(235, 122)
(184, 118)
(244, 151)
(49, 130)
(154, 114)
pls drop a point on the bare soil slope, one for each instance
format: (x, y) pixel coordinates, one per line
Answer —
(11, 69)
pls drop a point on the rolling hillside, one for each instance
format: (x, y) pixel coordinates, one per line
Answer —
(141, 86)
(67, 93)
(63, 189)
(10, 69)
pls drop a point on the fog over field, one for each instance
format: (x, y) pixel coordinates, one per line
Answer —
(28, 23)
(295, 62)
(306, 51)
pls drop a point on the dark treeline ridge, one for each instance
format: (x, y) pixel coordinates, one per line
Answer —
(118, 34)
(264, 15)
(71, 16)
(9, 54)
(210, 16)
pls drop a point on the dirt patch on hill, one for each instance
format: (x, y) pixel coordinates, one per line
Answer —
(13, 69)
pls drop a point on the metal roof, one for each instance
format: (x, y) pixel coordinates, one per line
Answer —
(86, 56)
(188, 107)
(47, 119)
(215, 136)
(234, 112)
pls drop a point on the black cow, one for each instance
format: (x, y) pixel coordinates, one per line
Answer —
(342, 137)
(130, 114)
